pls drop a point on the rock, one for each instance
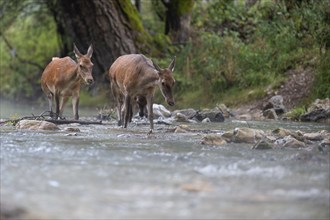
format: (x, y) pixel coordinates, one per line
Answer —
(179, 117)
(276, 103)
(319, 115)
(206, 120)
(228, 136)
(189, 113)
(319, 104)
(224, 110)
(247, 135)
(262, 145)
(290, 141)
(281, 132)
(182, 129)
(213, 139)
(36, 125)
(318, 111)
(313, 136)
(270, 114)
(160, 111)
(325, 142)
(214, 115)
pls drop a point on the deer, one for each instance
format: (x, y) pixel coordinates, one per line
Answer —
(139, 101)
(62, 79)
(134, 77)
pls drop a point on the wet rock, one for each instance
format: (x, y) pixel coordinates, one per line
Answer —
(262, 145)
(36, 125)
(313, 136)
(179, 117)
(325, 142)
(213, 139)
(247, 135)
(214, 115)
(318, 111)
(224, 110)
(181, 129)
(276, 103)
(319, 115)
(206, 120)
(290, 141)
(270, 114)
(189, 113)
(160, 111)
(281, 132)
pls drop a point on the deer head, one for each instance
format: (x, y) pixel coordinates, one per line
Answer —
(85, 64)
(167, 81)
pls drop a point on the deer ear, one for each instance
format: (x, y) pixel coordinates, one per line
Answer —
(156, 66)
(76, 52)
(172, 64)
(90, 51)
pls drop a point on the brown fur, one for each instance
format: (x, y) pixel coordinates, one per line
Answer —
(61, 79)
(134, 76)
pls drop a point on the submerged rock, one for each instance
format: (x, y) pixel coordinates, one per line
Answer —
(247, 135)
(213, 139)
(36, 125)
(262, 145)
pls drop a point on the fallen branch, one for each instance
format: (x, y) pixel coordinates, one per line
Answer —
(42, 116)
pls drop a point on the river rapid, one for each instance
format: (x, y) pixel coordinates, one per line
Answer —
(107, 172)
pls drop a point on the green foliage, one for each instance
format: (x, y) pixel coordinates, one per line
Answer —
(295, 113)
(322, 82)
(26, 46)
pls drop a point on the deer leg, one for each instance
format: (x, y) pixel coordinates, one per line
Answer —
(75, 103)
(150, 101)
(63, 101)
(50, 104)
(127, 109)
(57, 105)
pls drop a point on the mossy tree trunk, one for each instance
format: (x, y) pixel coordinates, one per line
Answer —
(113, 27)
(178, 16)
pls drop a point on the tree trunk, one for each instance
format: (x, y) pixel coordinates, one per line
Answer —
(178, 16)
(113, 28)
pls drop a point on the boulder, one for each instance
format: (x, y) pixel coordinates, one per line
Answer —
(36, 125)
(276, 103)
(290, 141)
(189, 113)
(247, 135)
(318, 111)
(270, 114)
(224, 110)
(160, 111)
(215, 115)
(281, 133)
(313, 136)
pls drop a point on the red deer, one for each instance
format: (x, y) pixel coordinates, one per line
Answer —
(135, 77)
(62, 77)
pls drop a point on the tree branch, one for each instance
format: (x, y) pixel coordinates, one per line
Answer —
(19, 58)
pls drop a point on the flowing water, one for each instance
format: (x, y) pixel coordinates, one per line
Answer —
(105, 172)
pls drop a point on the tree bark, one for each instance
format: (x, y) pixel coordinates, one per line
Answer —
(178, 16)
(113, 28)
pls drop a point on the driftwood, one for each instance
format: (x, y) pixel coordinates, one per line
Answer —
(42, 117)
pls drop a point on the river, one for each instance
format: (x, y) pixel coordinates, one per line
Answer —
(107, 172)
